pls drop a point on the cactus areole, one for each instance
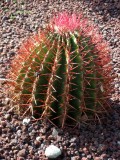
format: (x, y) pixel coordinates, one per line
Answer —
(63, 72)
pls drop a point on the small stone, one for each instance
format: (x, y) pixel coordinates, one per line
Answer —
(15, 151)
(10, 54)
(7, 100)
(118, 142)
(52, 151)
(75, 158)
(73, 139)
(40, 152)
(84, 158)
(7, 116)
(103, 156)
(4, 18)
(37, 143)
(3, 123)
(89, 156)
(20, 158)
(19, 132)
(43, 130)
(72, 144)
(85, 150)
(21, 153)
(30, 129)
(51, 137)
(38, 138)
(97, 158)
(26, 121)
(54, 132)
(101, 148)
(92, 148)
(0, 129)
(7, 146)
(59, 138)
(42, 146)
(76, 153)
(1, 49)
(13, 142)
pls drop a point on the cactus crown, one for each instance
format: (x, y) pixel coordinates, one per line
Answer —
(62, 72)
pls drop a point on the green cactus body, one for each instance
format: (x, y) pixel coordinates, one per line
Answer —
(62, 76)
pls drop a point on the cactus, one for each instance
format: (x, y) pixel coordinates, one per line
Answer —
(63, 72)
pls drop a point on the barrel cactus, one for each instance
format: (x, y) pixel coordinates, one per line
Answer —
(63, 72)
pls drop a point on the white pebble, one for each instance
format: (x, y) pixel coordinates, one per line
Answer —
(38, 138)
(52, 151)
(118, 142)
(26, 121)
(54, 132)
(7, 100)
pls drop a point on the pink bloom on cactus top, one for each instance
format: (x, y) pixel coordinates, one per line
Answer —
(64, 22)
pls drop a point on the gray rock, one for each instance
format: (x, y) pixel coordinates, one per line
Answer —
(54, 132)
(4, 19)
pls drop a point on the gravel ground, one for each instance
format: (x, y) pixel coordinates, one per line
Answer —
(94, 141)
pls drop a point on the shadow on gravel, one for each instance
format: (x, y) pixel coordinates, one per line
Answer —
(94, 140)
(99, 139)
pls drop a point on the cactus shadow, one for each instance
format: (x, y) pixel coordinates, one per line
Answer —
(97, 136)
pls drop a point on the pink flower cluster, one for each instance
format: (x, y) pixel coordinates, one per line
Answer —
(64, 22)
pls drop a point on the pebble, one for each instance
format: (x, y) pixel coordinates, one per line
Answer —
(101, 147)
(38, 138)
(4, 19)
(26, 121)
(54, 132)
(21, 153)
(7, 100)
(103, 156)
(37, 143)
(89, 156)
(84, 158)
(19, 132)
(7, 116)
(97, 158)
(20, 158)
(93, 148)
(3, 124)
(73, 139)
(118, 142)
(75, 158)
(52, 151)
